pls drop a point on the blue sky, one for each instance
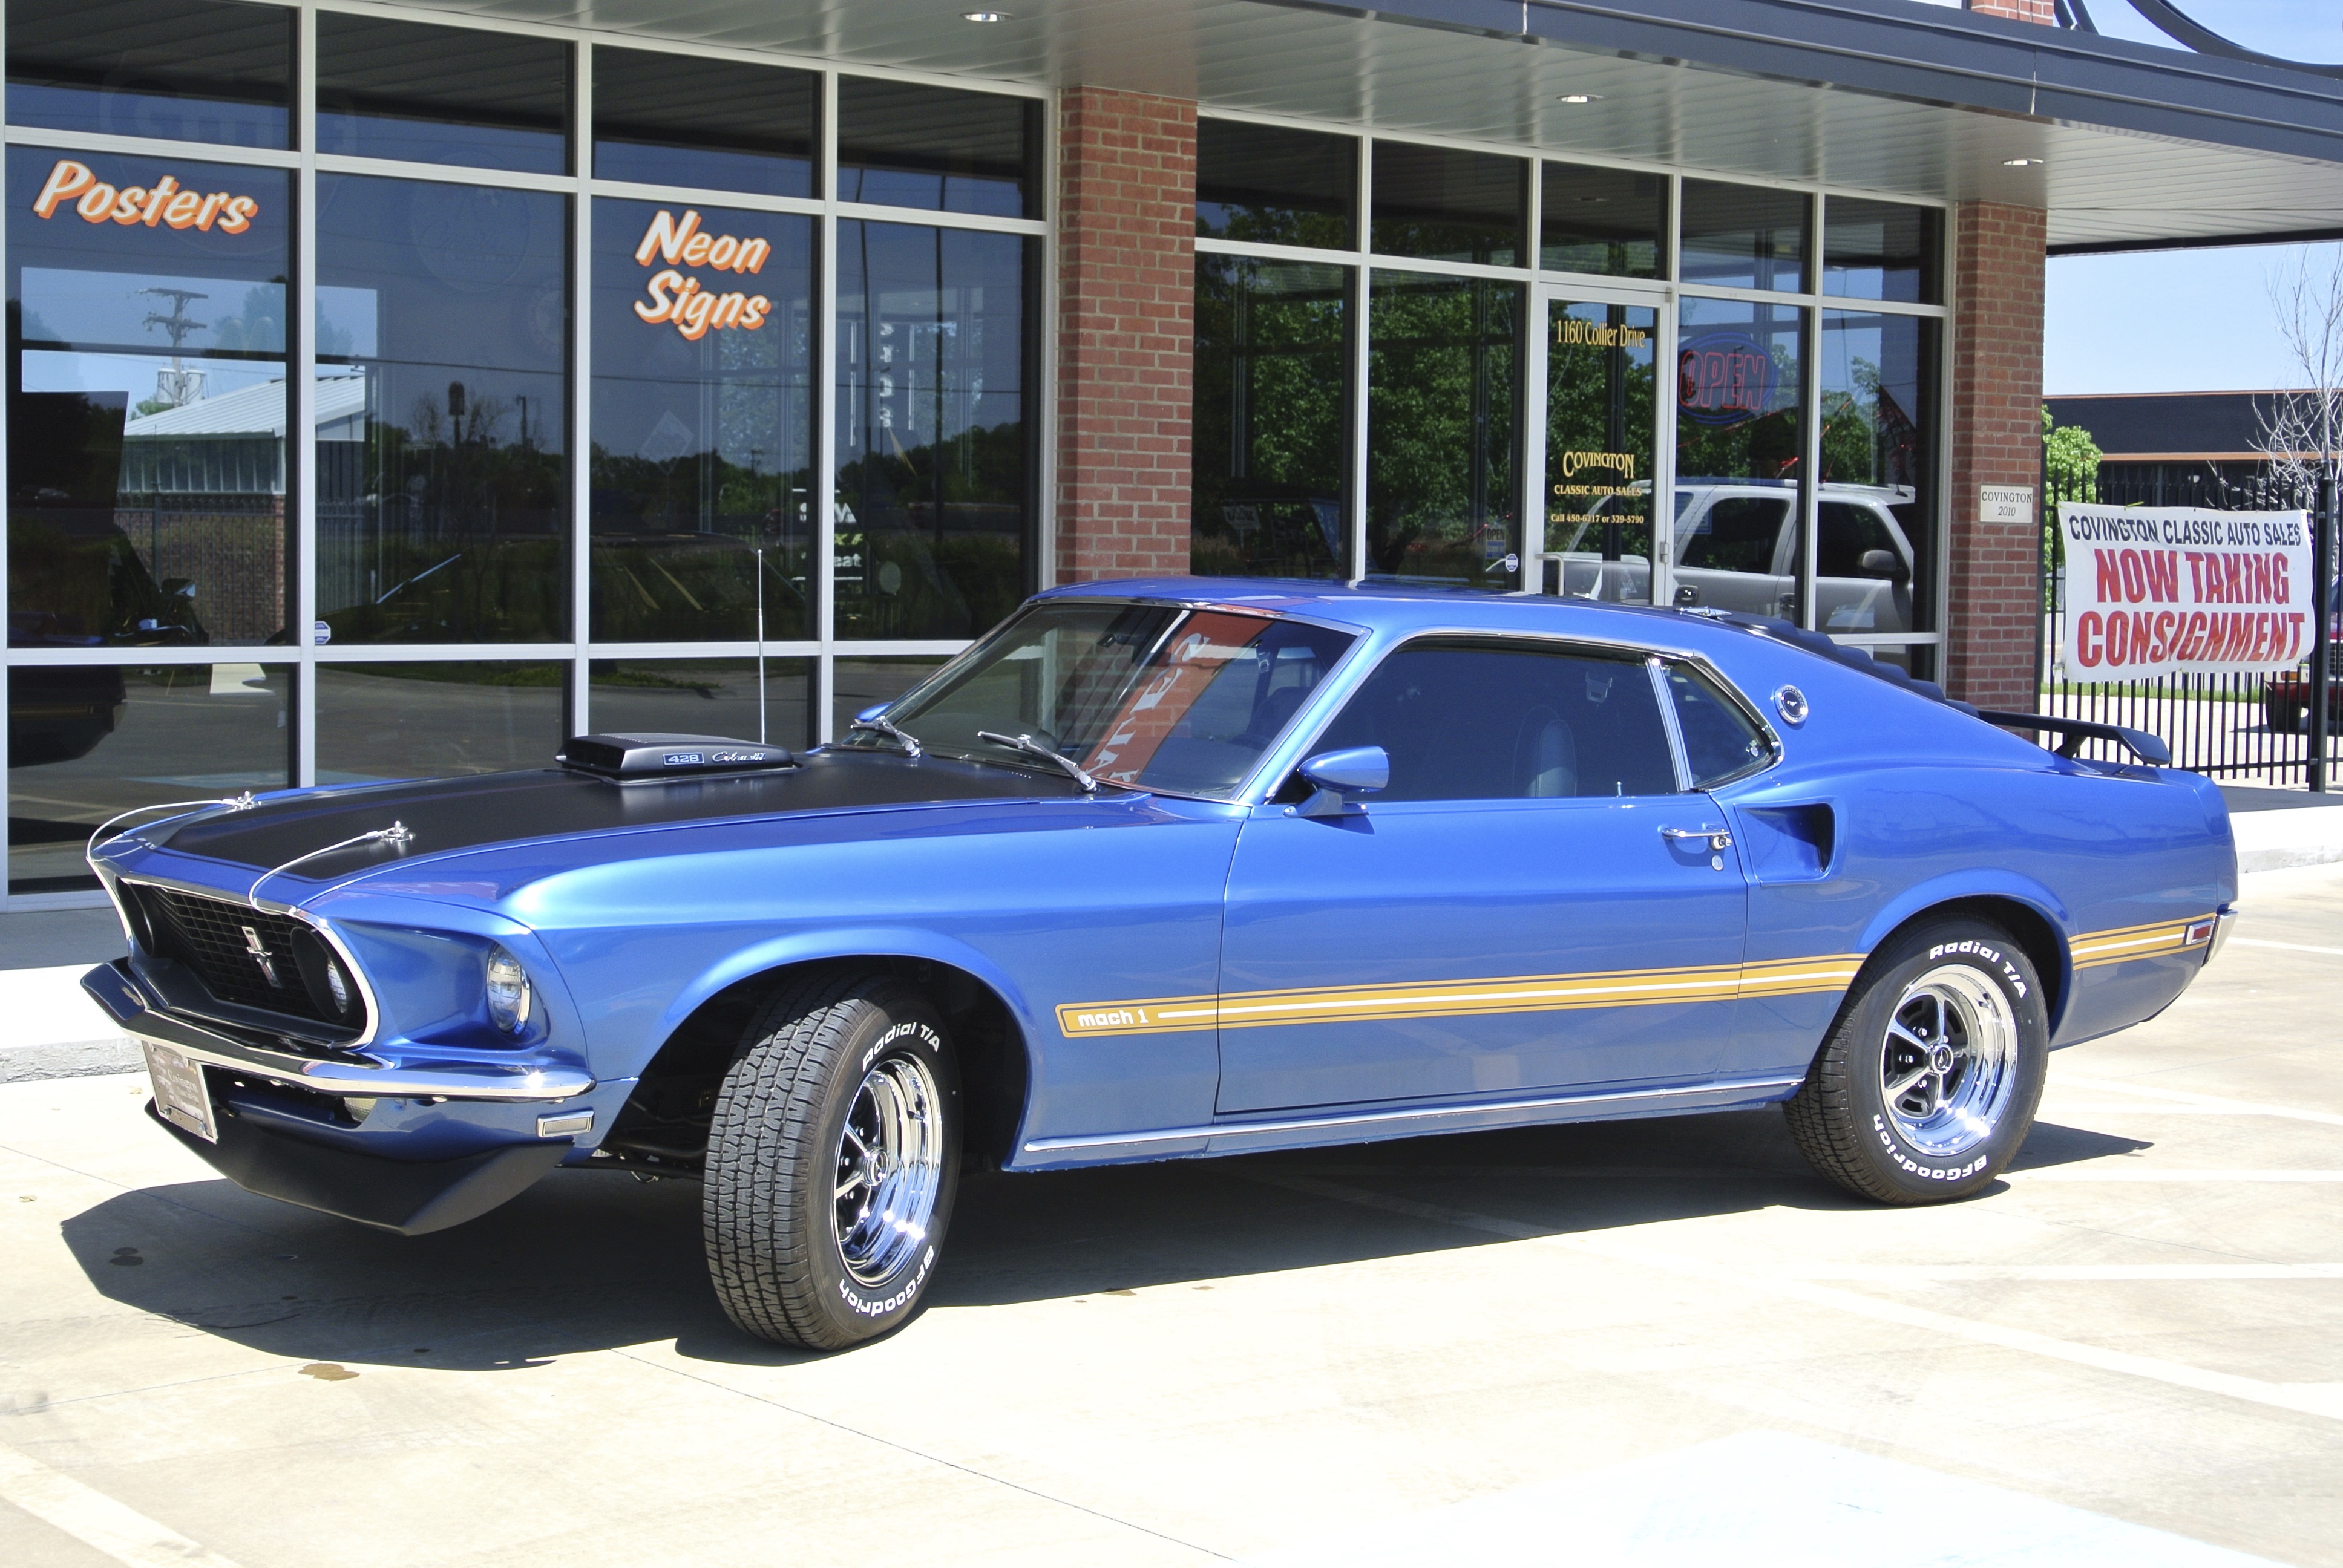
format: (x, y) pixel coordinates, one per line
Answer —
(2093, 337)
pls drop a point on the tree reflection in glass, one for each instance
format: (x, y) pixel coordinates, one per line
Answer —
(442, 339)
(1271, 452)
(1441, 455)
(933, 443)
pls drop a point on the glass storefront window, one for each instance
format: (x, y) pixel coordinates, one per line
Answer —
(900, 144)
(1745, 236)
(146, 317)
(1271, 436)
(86, 742)
(702, 423)
(1449, 206)
(859, 683)
(1609, 221)
(1601, 392)
(1274, 186)
(443, 326)
(934, 500)
(182, 70)
(378, 721)
(1876, 513)
(704, 696)
(432, 95)
(1442, 393)
(1882, 250)
(1739, 440)
(680, 120)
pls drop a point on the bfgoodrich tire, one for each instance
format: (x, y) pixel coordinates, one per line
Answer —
(832, 1162)
(1928, 1081)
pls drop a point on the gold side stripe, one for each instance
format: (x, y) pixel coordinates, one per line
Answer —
(1555, 993)
(2122, 944)
(1461, 999)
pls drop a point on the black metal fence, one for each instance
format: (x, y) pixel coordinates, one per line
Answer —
(2246, 728)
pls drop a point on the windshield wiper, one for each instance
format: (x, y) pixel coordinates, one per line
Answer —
(882, 725)
(1032, 747)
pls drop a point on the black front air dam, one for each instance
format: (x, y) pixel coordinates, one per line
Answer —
(410, 1197)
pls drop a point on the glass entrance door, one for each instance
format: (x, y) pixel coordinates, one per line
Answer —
(1601, 392)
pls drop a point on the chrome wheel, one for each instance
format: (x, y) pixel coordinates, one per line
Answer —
(1949, 1066)
(889, 1168)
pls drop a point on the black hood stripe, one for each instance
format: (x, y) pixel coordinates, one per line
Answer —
(443, 815)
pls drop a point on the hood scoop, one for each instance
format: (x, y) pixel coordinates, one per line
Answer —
(632, 758)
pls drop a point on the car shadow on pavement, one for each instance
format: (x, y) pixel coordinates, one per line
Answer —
(593, 1259)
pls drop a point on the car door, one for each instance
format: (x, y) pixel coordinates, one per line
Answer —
(1863, 568)
(1737, 553)
(1532, 902)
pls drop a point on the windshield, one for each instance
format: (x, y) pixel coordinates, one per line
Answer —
(1153, 696)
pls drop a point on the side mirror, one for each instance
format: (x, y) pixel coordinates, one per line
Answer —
(1881, 564)
(875, 710)
(1336, 775)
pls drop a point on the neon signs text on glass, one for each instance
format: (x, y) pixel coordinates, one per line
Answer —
(680, 301)
(165, 203)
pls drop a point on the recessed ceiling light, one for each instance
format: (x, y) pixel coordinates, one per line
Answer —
(2019, 162)
(1581, 98)
(984, 16)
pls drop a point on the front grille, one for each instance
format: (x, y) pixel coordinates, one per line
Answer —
(211, 937)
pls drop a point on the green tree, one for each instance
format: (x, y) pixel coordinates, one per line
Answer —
(2070, 461)
(2070, 472)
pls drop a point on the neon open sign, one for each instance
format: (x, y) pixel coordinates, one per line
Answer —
(1725, 378)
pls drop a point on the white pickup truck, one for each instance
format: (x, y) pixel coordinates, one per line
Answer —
(1737, 548)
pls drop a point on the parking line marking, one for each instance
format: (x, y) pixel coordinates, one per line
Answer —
(2097, 1170)
(2290, 947)
(95, 1520)
(2063, 1113)
(2324, 1399)
(2055, 1273)
(2189, 1097)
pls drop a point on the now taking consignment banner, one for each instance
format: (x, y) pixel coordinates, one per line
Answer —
(2179, 591)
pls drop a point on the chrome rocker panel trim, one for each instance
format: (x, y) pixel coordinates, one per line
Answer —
(1393, 1119)
(124, 1002)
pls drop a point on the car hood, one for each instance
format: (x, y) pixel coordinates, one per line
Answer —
(446, 816)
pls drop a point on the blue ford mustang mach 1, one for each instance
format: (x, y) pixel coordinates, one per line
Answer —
(1166, 868)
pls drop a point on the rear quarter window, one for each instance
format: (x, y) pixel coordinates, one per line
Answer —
(1721, 742)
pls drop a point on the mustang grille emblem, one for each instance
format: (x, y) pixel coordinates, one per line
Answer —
(263, 957)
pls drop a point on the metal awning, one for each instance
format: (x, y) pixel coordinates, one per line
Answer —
(2138, 144)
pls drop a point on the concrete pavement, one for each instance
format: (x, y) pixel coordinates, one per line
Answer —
(1652, 1343)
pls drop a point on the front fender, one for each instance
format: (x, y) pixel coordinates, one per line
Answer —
(847, 942)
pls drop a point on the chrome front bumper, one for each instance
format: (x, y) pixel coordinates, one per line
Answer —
(113, 988)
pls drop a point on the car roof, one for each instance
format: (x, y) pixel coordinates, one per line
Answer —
(1400, 609)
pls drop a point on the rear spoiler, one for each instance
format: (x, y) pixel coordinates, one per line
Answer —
(2142, 745)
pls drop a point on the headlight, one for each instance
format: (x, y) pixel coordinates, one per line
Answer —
(331, 986)
(509, 994)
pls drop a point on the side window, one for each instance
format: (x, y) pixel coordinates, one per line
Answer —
(1845, 533)
(1720, 742)
(1489, 722)
(1737, 534)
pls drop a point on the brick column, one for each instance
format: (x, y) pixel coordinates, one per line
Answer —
(2042, 11)
(1993, 571)
(1126, 237)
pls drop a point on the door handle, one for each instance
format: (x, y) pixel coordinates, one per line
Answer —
(1718, 839)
